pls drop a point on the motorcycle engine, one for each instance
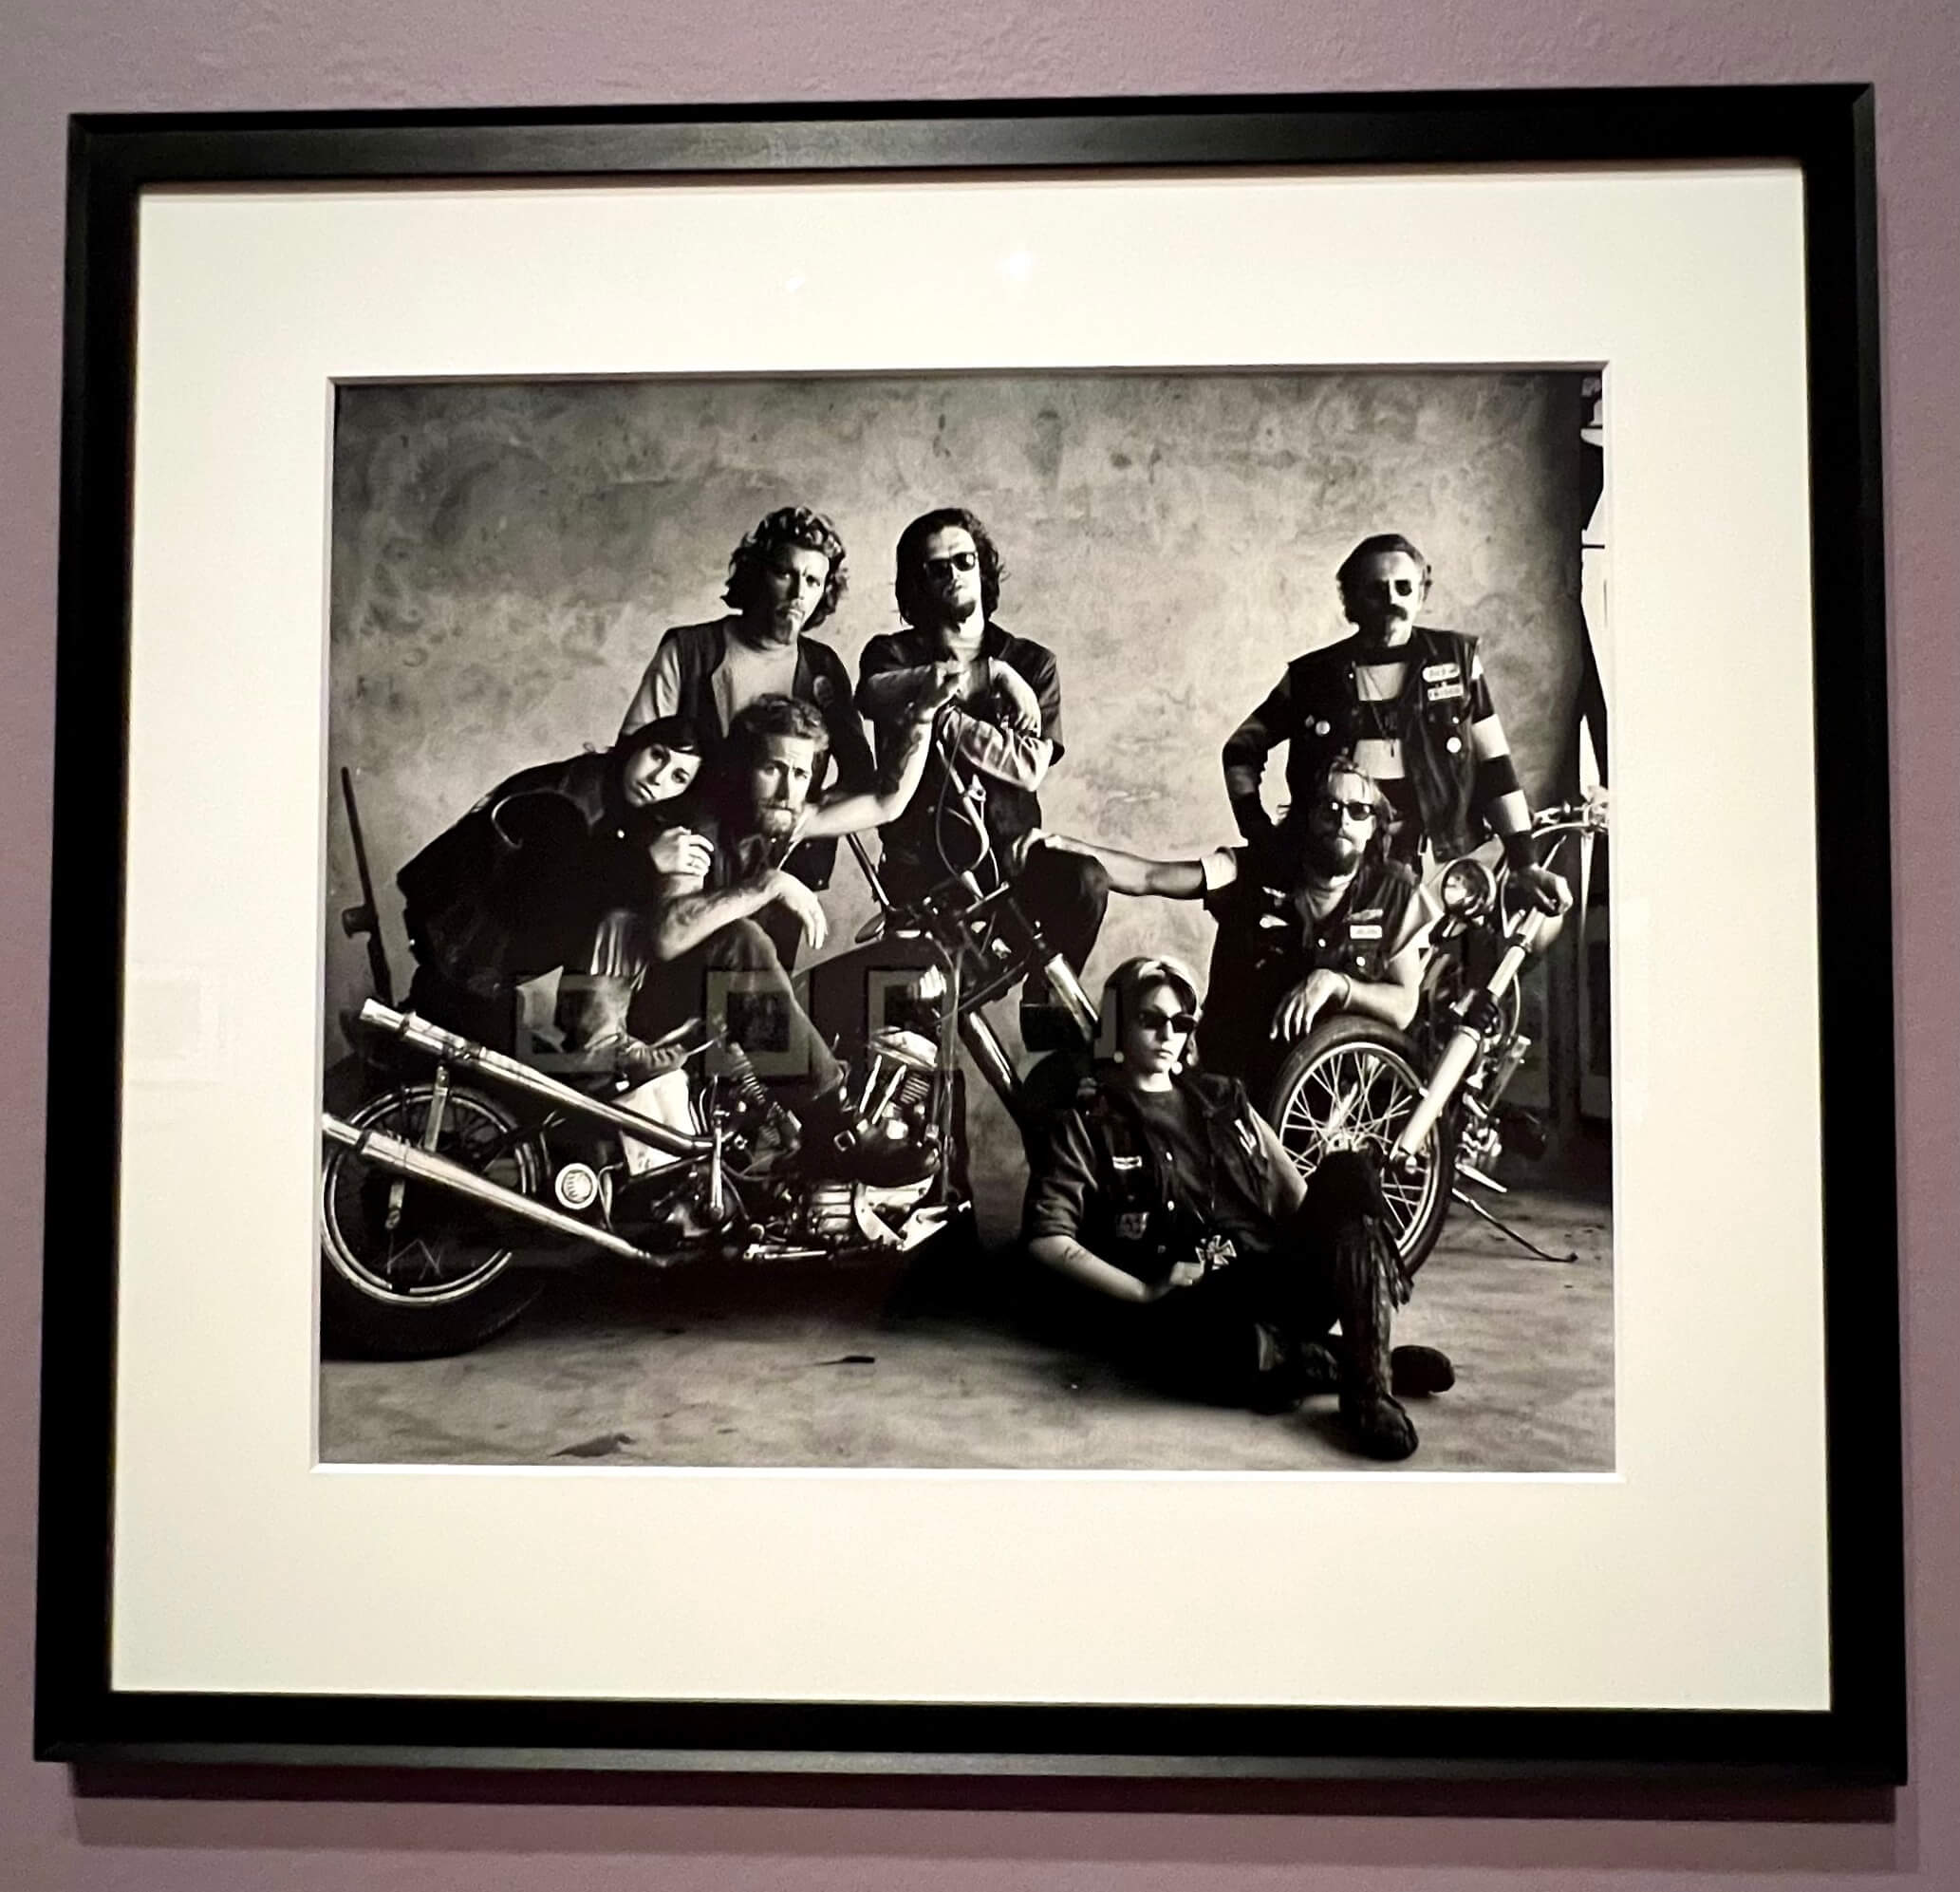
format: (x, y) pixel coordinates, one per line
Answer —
(889, 1135)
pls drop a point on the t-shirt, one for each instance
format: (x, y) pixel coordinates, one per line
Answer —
(748, 671)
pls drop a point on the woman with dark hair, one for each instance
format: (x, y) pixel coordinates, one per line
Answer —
(546, 872)
(784, 579)
(1211, 1268)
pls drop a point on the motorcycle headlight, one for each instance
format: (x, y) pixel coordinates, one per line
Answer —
(1468, 889)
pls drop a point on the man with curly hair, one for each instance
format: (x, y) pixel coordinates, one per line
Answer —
(784, 579)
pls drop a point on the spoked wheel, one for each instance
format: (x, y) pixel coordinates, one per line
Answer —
(410, 1270)
(1352, 1084)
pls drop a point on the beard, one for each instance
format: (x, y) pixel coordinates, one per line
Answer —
(1330, 857)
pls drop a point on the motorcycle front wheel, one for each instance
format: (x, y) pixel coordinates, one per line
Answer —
(1352, 1084)
(408, 1269)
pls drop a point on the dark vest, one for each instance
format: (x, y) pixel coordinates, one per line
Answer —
(1134, 1217)
(1266, 938)
(1430, 718)
(821, 681)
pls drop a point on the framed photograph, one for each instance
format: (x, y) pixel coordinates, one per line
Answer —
(899, 939)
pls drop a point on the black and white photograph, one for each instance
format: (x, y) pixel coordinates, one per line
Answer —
(1039, 921)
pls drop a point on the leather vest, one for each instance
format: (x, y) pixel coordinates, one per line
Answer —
(1137, 1220)
(1430, 717)
(820, 680)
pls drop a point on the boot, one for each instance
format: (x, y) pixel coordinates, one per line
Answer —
(591, 1021)
(1364, 1279)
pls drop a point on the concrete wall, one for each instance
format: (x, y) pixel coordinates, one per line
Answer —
(506, 559)
(690, 1836)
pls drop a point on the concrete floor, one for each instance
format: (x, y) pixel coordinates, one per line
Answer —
(838, 1366)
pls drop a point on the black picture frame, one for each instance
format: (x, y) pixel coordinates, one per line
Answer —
(1826, 131)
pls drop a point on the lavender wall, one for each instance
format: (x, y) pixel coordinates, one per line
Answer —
(64, 55)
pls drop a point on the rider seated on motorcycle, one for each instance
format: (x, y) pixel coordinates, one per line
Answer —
(533, 877)
(1313, 918)
(703, 940)
(1197, 1254)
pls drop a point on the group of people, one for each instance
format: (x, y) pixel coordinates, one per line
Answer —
(697, 846)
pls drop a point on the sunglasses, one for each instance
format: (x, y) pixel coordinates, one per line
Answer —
(1184, 1023)
(1355, 811)
(960, 561)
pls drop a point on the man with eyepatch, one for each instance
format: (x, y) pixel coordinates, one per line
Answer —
(1314, 917)
(1411, 704)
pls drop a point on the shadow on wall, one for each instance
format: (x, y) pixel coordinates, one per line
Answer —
(506, 557)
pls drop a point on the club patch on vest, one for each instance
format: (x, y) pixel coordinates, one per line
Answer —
(1365, 929)
(1127, 1162)
(1131, 1223)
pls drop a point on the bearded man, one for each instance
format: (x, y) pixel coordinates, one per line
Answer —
(703, 936)
(1411, 704)
(1316, 916)
(785, 578)
(998, 739)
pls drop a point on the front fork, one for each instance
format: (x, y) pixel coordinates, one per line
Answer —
(1467, 1043)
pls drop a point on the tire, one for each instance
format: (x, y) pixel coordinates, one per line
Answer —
(440, 1282)
(1350, 1084)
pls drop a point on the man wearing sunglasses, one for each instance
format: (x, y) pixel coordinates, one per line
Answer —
(1411, 704)
(995, 745)
(1316, 916)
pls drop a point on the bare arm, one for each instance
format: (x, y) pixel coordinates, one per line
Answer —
(1391, 999)
(685, 913)
(843, 812)
(1132, 873)
(1071, 1258)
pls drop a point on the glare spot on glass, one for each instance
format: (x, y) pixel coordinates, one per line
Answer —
(794, 284)
(1017, 265)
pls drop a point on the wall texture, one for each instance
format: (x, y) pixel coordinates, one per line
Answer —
(209, 54)
(506, 558)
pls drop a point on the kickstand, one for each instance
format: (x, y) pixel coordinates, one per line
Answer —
(1504, 1227)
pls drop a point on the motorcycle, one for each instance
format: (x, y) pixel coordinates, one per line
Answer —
(1429, 1104)
(447, 1195)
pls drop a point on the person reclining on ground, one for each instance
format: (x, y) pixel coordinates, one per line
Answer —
(1315, 918)
(1209, 1267)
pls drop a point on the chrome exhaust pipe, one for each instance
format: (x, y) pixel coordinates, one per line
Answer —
(425, 1166)
(466, 1054)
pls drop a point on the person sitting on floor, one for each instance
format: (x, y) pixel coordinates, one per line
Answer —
(1207, 1266)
